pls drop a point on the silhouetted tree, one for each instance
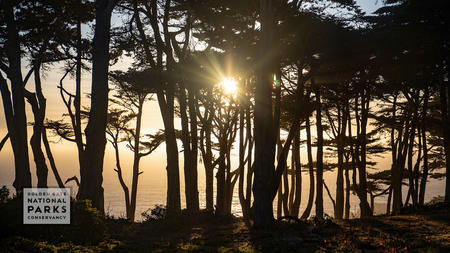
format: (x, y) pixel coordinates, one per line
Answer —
(91, 177)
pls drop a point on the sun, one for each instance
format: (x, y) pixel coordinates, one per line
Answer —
(229, 85)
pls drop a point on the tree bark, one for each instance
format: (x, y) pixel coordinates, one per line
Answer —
(347, 189)
(424, 178)
(15, 108)
(264, 133)
(339, 211)
(190, 169)
(298, 176)
(92, 170)
(193, 100)
(38, 106)
(136, 160)
(308, 208)
(319, 158)
(366, 211)
(443, 91)
(166, 105)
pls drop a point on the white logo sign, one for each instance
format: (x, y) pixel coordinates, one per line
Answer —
(46, 206)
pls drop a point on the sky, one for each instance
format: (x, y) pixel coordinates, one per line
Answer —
(369, 6)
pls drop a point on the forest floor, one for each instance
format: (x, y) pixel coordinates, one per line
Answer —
(427, 230)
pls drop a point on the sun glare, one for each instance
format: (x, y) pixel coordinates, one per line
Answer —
(229, 85)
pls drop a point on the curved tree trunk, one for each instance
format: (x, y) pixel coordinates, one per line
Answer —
(38, 107)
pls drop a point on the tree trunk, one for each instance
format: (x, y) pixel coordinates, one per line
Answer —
(424, 178)
(366, 211)
(250, 165)
(411, 189)
(339, 211)
(51, 160)
(220, 189)
(245, 205)
(166, 105)
(91, 172)
(193, 185)
(136, 160)
(388, 204)
(347, 189)
(319, 158)
(38, 108)
(206, 149)
(15, 109)
(118, 169)
(186, 139)
(307, 211)
(264, 134)
(77, 99)
(446, 129)
(298, 176)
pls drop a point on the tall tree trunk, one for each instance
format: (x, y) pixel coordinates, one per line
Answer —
(245, 204)
(264, 134)
(399, 148)
(188, 180)
(307, 211)
(206, 150)
(77, 99)
(279, 188)
(92, 170)
(347, 189)
(339, 211)
(193, 185)
(412, 187)
(319, 158)
(424, 178)
(136, 160)
(279, 147)
(417, 165)
(220, 188)
(443, 91)
(366, 211)
(15, 108)
(38, 108)
(250, 165)
(166, 105)
(298, 176)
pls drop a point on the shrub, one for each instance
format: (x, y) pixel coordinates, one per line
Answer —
(436, 199)
(156, 213)
(87, 223)
(4, 194)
